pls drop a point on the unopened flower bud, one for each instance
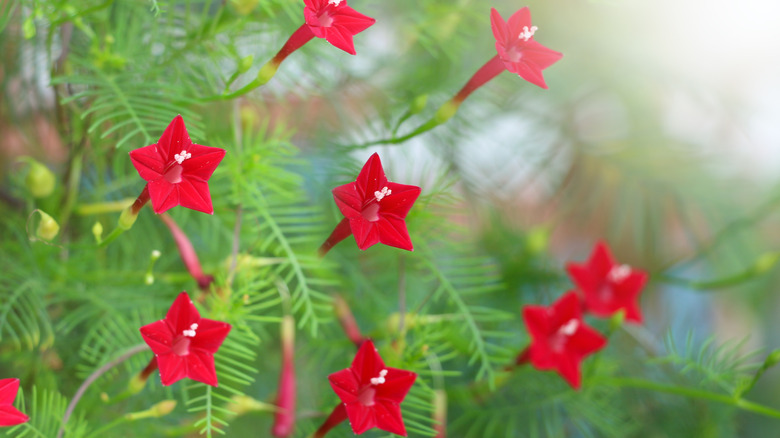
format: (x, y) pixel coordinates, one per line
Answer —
(39, 180)
(418, 104)
(160, 409)
(766, 262)
(97, 231)
(47, 227)
(245, 63)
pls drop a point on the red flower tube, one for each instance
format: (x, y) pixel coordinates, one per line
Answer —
(284, 420)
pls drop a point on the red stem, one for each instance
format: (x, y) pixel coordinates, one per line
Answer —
(491, 69)
(146, 372)
(341, 232)
(139, 202)
(284, 420)
(338, 415)
(187, 252)
(300, 37)
(524, 357)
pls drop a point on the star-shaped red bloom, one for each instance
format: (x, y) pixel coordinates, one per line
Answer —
(517, 48)
(184, 343)
(376, 208)
(9, 415)
(371, 392)
(607, 287)
(560, 338)
(336, 22)
(177, 170)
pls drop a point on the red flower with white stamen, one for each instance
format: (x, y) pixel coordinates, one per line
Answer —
(371, 392)
(336, 22)
(9, 415)
(607, 287)
(177, 170)
(184, 343)
(517, 48)
(374, 208)
(560, 338)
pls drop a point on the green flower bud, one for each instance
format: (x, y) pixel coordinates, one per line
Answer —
(97, 231)
(245, 63)
(40, 180)
(418, 104)
(47, 227)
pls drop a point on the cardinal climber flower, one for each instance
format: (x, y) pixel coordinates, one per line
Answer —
(184, 343)
(335, 21)
(374, 209)
(518, 50)
(370, 393)
(9, 415)
(560, 338)
(607, 287)
(177, 170)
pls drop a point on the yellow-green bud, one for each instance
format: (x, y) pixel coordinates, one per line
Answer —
(242, 404)
(127, 218)
(47, 227)
(418, 104)
(267, 71)
(160, 409)
(97, 231)
(446, 112)
(40, 180)
(245, 63)
(244, 7)
(537, 240)
(766, 262)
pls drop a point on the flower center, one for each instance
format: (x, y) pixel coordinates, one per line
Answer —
(325, 20)
(381, 194)
(559, 339)
(379, 380)
(181, 346)
(366, 396)
(182, 156)
(191, 332)
(527, 33)
(371, 212)
(173, 175)
(335, 2)
(619, 273)
(513, 55)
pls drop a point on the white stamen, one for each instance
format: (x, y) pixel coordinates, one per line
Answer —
(334, 2)
(182, 156)
(619, 273)
(570, 327)
(191, 332)
(379, 380)
(379, 195)
(527, 33)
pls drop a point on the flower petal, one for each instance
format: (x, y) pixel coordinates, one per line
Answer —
(345, 384)
(518, 20)
(365, 232)
(194, 194)
(8, 390)
(10, 416)
(148, 162)
(164, 195)
(499, 26)
(158, 336)
(348, 200)
(174, 139)
(210, 335)
(200, 367)
(388, 418)
(203, 162)
(392, 232)
(396, 386)
(182, 314)
(371, 178)
(367, 363)
(539, 56)
(340, 38)
(172, 368)
(400, 200)
(351, 21)
(361, 417)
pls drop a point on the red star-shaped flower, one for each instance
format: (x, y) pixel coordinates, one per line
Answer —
(9, 415)
(517, 48)
(184, 343)
(560, 338)
(371, 392)
(374, 209)
(336, 22)
(177, 170)
(607, 287)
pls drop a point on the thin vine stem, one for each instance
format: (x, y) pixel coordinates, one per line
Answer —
(130, 352)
